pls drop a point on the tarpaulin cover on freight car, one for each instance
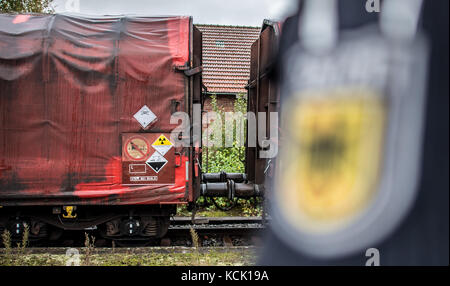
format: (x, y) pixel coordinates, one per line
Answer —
(69, 87)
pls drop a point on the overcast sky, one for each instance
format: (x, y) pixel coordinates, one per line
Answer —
(224, 12)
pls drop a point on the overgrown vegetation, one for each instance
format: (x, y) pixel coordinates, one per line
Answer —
(195, 244)
(228, 159)
(137, 257)
(24, 243)
(26, 6)
(89, 244)
(10, 256)
(6, 240)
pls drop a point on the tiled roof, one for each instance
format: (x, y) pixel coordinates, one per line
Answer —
(226, 56)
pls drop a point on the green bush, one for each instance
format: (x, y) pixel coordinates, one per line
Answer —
(228, 159)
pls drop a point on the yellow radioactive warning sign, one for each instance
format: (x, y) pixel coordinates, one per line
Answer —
(162, 140)
(334, 154)
(162, 144)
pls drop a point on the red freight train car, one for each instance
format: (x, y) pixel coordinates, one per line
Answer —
(85, 109)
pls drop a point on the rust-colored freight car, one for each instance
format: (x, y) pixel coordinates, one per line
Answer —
(85, 111)
(264, 102)
(86, 123)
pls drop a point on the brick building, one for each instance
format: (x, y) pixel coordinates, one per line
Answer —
(226, 62)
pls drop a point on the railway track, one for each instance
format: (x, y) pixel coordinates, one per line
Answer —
(137, 250)
(218, 224)
(216, 231)
(181, 220)
(211, 231)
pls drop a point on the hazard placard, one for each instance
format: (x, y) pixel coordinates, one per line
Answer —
(142, 164)
(156, 162)
(144, 116)
(162, 144)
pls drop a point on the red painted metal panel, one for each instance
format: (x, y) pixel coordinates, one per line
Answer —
(69, 87)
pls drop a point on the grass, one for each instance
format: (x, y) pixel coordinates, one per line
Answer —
(211, 213)
(137, 257)
(89, 244)
(243, 207)
(91, 256)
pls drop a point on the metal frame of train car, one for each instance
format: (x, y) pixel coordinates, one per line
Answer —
(70, 86)
(131, 213)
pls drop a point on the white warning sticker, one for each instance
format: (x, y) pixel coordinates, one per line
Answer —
(162, 144)
(145, 116)
(156, 162)
(143, 178)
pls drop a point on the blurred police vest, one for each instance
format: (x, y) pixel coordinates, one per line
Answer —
(362, 176)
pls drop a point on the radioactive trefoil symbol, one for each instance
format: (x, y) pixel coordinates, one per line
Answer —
(162, 144)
